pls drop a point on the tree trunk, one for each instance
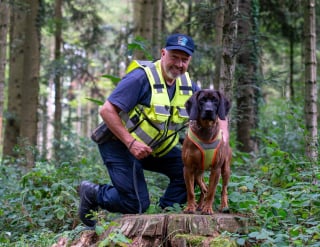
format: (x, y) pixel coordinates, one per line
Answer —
(157, 40)
(227, 53)
(175, 230)
(4, 24)
(311, 96)
(247, 88)
(43, 131)
(148, 25)
(57, 79)
(291, 58)
(219, 21)
(30, 85)
(16, 78)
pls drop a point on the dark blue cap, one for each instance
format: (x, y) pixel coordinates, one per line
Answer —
(180, 42)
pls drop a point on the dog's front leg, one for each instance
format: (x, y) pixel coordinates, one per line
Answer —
(225, 173)
(203, 189)
(213, 182)
(191, 201)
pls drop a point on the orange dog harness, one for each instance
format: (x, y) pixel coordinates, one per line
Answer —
(208, 149)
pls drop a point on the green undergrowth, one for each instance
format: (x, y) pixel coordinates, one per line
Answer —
(276, 190)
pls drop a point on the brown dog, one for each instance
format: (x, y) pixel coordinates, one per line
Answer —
(206, 146)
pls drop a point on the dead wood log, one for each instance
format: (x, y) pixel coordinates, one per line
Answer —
(174, 230)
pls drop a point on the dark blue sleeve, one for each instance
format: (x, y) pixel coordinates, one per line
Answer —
(195, 87)
(134, 88)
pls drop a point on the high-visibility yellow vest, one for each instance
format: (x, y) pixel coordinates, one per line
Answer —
(157, 125)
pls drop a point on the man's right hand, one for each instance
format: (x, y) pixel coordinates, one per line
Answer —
(139, 149)
(110, 115)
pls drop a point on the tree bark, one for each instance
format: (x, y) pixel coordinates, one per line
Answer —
(247, 88)
(30, 85)
(175, 230)
(311, 95)
(16, 78)
(57, 79)
(219, 21)
(228, 53)
(148, 25)
(4, 24)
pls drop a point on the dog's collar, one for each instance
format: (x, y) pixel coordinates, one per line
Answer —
(211, 144)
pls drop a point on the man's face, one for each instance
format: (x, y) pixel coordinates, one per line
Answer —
(174, 63)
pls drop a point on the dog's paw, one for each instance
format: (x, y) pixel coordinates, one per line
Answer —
(225, 210)
(190, 210)
(207, 211)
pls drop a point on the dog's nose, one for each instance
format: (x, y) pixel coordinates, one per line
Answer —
(208, 107)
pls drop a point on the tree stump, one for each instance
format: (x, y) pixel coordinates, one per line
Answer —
(171, 230)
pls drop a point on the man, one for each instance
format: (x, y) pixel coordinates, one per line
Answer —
(145, 113)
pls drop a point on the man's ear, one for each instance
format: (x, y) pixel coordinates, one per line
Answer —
(192, 106)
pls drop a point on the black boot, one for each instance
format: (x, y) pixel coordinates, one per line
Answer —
(88, 201)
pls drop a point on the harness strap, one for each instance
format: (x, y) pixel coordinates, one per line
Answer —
(208, 149)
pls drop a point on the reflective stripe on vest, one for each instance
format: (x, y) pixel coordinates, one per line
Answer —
(154, 124)
(208, 149)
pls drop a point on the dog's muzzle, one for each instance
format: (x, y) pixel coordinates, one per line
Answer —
(208, 111)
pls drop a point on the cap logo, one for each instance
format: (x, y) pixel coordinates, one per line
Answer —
(182, 41)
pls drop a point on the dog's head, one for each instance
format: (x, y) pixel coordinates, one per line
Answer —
(207, 104)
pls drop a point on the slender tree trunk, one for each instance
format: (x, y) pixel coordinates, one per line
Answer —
(57, 79)
(43, 138)
(4, 24)
(30, 85)
(290, 87)
(247, 89)
(229, 53)
(189, 17)
(157, 28)
(311, 96)
(16, 78)
(219, 22)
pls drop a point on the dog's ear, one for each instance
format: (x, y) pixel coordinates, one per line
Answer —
(192, 107)
(224, 106)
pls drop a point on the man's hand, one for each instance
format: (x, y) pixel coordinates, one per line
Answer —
(110, 115)
(139, 149)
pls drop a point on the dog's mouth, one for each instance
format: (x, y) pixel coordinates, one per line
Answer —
(208, 118)
(207, 123)
(208, 115)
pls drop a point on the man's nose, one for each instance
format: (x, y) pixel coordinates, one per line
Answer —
(179, 62)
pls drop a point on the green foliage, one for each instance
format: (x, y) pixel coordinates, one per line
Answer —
(140, 44)
(279, 193)
(115, 237)
(114, 79)
(280, 125)
(45, 198)
(282, 199)
(98, 102)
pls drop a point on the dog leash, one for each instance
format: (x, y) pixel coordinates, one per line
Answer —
(153, 146)
(135, 185)
(135, 179)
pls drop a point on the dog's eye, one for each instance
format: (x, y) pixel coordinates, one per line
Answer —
(202, 101)
(215, 100)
